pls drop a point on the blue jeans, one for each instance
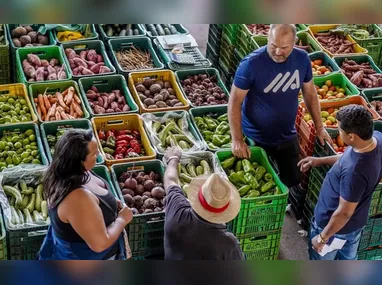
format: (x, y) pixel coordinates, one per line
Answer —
(349, 250)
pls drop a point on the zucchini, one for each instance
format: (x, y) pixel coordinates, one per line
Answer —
(207, 169)
(136, 32)
(183, 169)
(28, 217)
(150, 27)
(25, 202)
(31, 203)
(165, 26)
(44, 209)
(12, 191)
(14, 216)
(160, 30)
(39, 197)
(167, 31)
(173, 29)
(23, 186)
(191, 169)
(27, 191)
(129, 26)
(199, 170)
(123, 33)
(154, 33)
(12, 201)
(21, 217)
(37, 217)
(109, 31)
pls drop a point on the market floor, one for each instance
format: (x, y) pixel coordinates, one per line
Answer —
(293, 246)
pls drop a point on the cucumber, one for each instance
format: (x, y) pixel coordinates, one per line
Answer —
(12, 191)
(15, 217)
(150, 27)
(39, 197)
(28, 191)
(206, 167)
(25, 202)
(165, 26)
(44, 209)
(37, 217)
(21, 217)
(23, 186)
(173, 29)
(31, 203)
(28, 217)
(109, 31)
(160, 30)
(12, 201)
(154, 33)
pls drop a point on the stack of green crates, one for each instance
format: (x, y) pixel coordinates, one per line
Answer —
(258, 225)
(226, 65)
(213, 44)
(244, 41)
(3, 240)
(5, 72)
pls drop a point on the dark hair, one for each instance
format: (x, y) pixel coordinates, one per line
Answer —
(356, 119)
(66, 172)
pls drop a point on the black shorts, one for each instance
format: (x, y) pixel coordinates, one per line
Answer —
(286, 157)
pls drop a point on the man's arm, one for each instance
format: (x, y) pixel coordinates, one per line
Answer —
(171, 175)
(235, 102)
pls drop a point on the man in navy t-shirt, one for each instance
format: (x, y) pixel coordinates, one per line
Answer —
(345, 196)
(268, 82)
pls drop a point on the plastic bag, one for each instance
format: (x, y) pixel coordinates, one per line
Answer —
(32, 175)
(150, 119)
(63, 27)
(178, 49)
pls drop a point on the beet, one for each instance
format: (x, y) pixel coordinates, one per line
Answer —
(149, 185)
(128, 191)
(131, 183)
(128, 199)
(147, 211)
(135, 211)
(158, 193)
(138, 201)
(158, 209)
(151, 203)
(140, 189)
(148, 194)
(144, 198)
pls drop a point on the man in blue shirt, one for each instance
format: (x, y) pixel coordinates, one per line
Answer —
(346, 193)
(264, 101)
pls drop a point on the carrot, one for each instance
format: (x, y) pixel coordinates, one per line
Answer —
(41, 104)
(77, 109)
(51, 111)
(64, 116)
(46, 102)
(77, 99)
(69, 98)
(65, 93)
(70, 117)
(60, 99)
(35, 100)
(71, 109)
(58, 116)
(75, 115)
(38, 111)
(60, 109)
(52, 100)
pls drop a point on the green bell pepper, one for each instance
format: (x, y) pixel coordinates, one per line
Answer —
(239, 166)
(268, 177)
(211, 145)
(251, 180)
(253, 194)
(260, 171)
(277, 190)
(207, 135)
(229, 163)
(244, 190)
(255, 165)
(223, 118)
(220, 140)
(108, 150)
(201, 124)
(247, 166)
(267, 186)
(237, 179)
(222, 128)
(211, 124)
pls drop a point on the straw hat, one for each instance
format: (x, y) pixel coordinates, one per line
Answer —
(214, 199)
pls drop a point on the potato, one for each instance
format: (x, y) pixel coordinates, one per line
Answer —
(147, 93)
(25, 40)
(149, 102)
(28, 29)
(160, 83)
(16, 42)
(173, 102)
(155, 88)
(152, 107)
(33, 36)
(19, 32)
(140, 88)
(42, 39)
(158, 98)
(161, 104)
(142, 97)
(171, 91)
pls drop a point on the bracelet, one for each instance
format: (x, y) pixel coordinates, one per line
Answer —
(171, 158)
(323, 241)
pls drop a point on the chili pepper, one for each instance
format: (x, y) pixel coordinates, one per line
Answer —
(108, 150)
(129, 150)
(268, 177)
(247, 166)
(211, 145)
(211, 124)
(137, 148)
(260, 171)
(220, 140)
(237, 179)
(101, 134)
(124, 137)
(239, 166)
(229, 163)
(122, 132)
(134, 142)
(136, 134)
(120, 150)
(244, 190)
(222, 128)
(110, 142)
(267, 186)
(251, 180)
(223, 118)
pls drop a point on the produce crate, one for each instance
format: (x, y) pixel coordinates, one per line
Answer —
(374, 254)
(123, 122)
(180, 28)
(307, 40)
(107, 83)
(260, 41)
(259, 214)
(301, 28)
(5, 64)
(360, 58)
(164, 75)
(230, 31)
(326, 61)
(143, 43)
(212, 55)
(244, 41)
(93, 36)
(23, 128)
(217, 29)
(214, 40)
(227, 60)
(191, 129)
(105, 38)
(337, 79)
(260, 246)
(371, 94)
(98, 46)
(145, 231)
(238, 57)
(181, 75)
(200, 60)
(297, 199)
(306, 133)
(315, 181)
(19, 90)
(3, 240)
(51, 88)
(42, 52)
(314, 29)
(51, 128)
(372, 234)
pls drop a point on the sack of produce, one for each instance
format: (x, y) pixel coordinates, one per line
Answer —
(172, 129)
(22, 196)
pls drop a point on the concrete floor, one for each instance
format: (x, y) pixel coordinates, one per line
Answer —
(293, 246)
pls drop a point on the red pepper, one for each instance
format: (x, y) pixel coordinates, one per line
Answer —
(118, 143)
(136, 134)
(119, 156)
(124, 137)
(120, 149)
(101, 135)
(128, 151)
(122, 132)
(134, 142)
(137, 149)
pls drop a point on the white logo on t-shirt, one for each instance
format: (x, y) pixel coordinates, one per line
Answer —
(279, 80)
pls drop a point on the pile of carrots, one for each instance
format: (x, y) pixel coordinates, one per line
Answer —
(59, 106)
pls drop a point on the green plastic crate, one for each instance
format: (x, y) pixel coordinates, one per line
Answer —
(105, 38)
(51, 88)
(3, 240)
(5, 64)
(260, 41)
(107, 83)
(22, 128)
(43, 52)
(145, 231)
(143, 43)
(372, 94)
(259, 214)
(301, 28)
(307, 40)
(338, 79)
(358, 59)
(51, 128)
(261, 246)
(98, 46)
(230, 31)
(244, 41)
(326, 61)
(191, 129)
(212, 56)
(214, 39)
(374, 254)
(372, 234)
(180, 28)
(181, 75)
(93, 36)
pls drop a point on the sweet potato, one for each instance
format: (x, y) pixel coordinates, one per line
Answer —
(126, 108)
(83, 54)
(99, 110)
(29, 70)
(85, 71)
(367, 82)
(53, 62)
(357, 78)
(111, 98)
(96, 68)
(79, 62)
(91, 95)
(99, 58)
(76, 71)
(34, 59)
(61, 75)
(70, 53)
(52, 76)
(44, 63)
(72, 64)
(104, 69)
(39, 74)
(92, 55)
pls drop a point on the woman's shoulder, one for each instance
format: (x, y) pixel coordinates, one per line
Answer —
(81, 196)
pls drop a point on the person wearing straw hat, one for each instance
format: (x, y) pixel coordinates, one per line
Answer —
(195, 227)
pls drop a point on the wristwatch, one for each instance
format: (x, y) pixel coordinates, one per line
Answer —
(321, 240)
(171, 158)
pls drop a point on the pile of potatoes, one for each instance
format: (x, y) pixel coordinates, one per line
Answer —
(25, 36)
(157, 94)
